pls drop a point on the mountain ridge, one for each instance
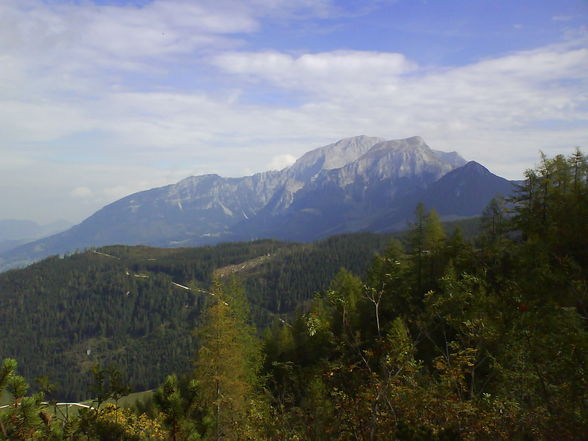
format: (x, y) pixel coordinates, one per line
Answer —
(346, 186)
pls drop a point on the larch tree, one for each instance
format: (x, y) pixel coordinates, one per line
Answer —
(227, 364)
(416, 242)
(425, 239)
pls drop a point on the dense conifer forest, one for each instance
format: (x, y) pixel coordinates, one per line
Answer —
(130, 306)
(438, 337)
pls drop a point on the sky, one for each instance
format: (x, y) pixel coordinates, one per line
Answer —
(103, 98)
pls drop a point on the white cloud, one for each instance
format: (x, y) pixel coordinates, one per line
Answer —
(161, 27)
(282, 161)
(37, 121)
(115, 34)
(66, 67)
(337, 72)
(494, 95)
(81, 192)
(562, 17)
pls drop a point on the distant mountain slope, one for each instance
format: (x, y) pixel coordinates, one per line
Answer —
(465, 192)
(24, 229)
(461, 193)
(352, 185)
(15, 232)
(17, 229)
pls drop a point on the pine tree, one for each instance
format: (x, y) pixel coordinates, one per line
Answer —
(21, 421)
(177, 405)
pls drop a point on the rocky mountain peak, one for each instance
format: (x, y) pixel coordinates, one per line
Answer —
(475, 167)
(452, 158)
(331, 156)
(400, 158)
(414, 144)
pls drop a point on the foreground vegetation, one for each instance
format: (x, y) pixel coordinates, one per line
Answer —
(442, 339)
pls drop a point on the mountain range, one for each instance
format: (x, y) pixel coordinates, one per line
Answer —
(356, 184)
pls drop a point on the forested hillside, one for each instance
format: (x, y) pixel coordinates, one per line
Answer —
(442, 338)
(124, 305)
(116, 305)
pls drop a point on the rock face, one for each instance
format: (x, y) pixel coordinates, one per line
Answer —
(352, 196)
(356, 184)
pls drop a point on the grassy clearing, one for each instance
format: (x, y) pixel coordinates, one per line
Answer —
(72, 410)
(131, 399)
